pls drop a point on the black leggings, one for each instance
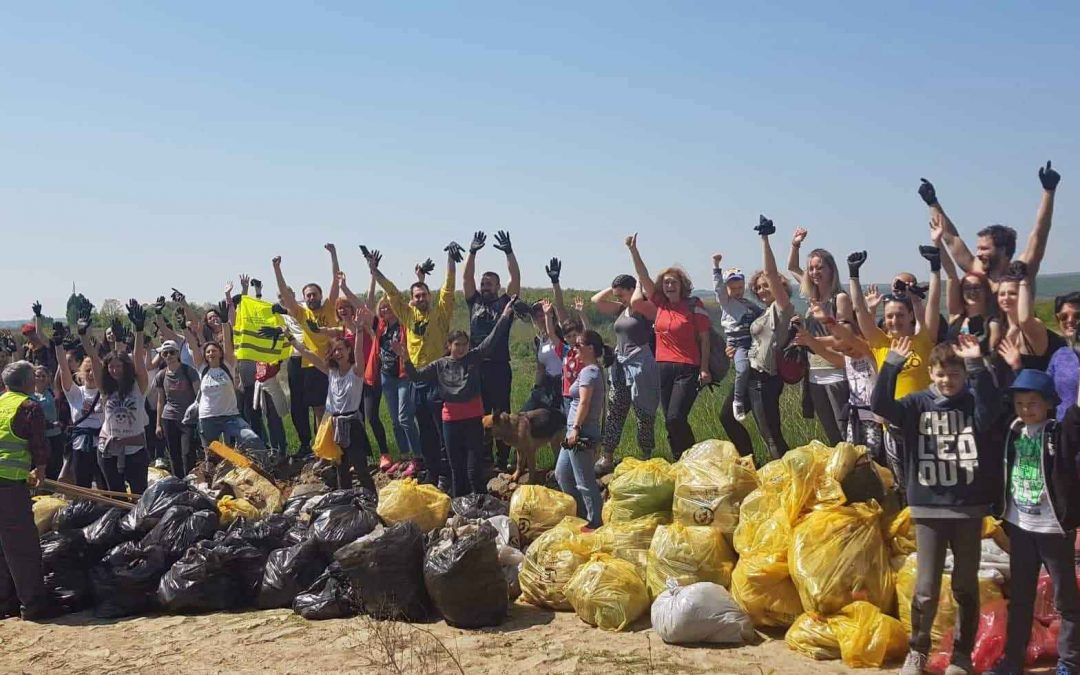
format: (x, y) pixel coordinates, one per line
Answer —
(678, 391)
(356, 456)
(495, 380)
(297, 409)
(372, 398)
(830, 403)
(134, 474)
(56, 456)
(178, 439)
(765, 393)
(734, 429)
(469, 458)
(84, 463)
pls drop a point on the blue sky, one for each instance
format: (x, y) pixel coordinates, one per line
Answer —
(150, 145)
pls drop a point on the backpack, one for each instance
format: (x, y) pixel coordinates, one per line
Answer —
(719, 363)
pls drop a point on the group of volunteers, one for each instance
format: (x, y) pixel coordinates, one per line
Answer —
(974, 410)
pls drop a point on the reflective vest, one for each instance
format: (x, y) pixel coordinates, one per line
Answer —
(252, 315)
(14, 451)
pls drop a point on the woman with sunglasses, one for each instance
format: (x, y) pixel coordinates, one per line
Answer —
(971, 311)
(575, 468)
(177, 385)
(1065, 361)
(1025, 333)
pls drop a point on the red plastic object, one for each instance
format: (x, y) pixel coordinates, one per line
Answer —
(1043, 642)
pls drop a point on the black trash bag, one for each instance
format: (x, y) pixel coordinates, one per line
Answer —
(212, 576)
(159, 498)
(336, 526)
(125, 582)
(863, 482)
(386, 572)
(327, 472)
(465, 581)
(179, 529)
(267, 534)
(361, 497)
(104, 534)
(288, 572)
(63, 562)
(479, 506)
(78, 514)
(327, 598)
(294, 504)
(297, 534)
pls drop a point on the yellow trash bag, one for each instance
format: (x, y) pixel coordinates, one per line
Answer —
(763, 528)
(405, 499)
(763, 588)
(807, 483)
(901, 533)
(812, 636)
(550, 562)
(842, 460)
(230, 508)
(45, 508)
(607, 592)
(629, 541)
(256, 489)
(640, 488)
(688, 555)
(710, 491)
(154, 474)
(838, 555)
(536, 509)
(947, 609)
(324, 446)
(713, 450)
(867, 637)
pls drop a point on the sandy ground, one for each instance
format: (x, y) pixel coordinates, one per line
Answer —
(532, 640)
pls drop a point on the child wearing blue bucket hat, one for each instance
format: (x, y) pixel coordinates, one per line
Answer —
(1041, 510)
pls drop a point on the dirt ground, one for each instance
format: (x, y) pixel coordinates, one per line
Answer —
(531, 640)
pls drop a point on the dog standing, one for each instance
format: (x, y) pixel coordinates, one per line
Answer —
(526, 432)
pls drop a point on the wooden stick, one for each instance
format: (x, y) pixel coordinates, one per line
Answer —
(85, 493)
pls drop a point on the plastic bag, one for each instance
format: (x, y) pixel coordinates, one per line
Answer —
(629, 541)
(550, 562)
(867, 637)
(1042, 645)
(479, 506)
(338, 525)
(607, 592)
(45, 508)
(688, 555)
(263, 496)
(78, 514)
(465, 582)
(327, 598)
(212, 576)
(232, 508)
(838, 556)
(63, 565)
(763, 527)
(712, 450)
(324, 446)
(298, 533)
(159, 498)
(179, 529)
(1045, 610)
(406, 499)
(506, 531)
(360, 497)
(701, 612)
(268, 534)
(710, 491)
(763, 588)
(386, 572)
(808, 483)
(812, 636)
(510, 560)
(852, 467)
(945, 619)
(288, 572)
(640, 488)
(125, 582)
(104, 534)
(901, 533)
(154, 474)
(989, 641)
(536, 509)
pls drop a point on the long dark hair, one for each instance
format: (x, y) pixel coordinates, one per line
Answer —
(110, 385)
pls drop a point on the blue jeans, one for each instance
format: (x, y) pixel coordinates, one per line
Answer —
(232, 430)
(398, 392)
(742, 369)
(429, 422)
(577, 478)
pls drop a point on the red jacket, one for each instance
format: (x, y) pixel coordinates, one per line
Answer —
(371, 370)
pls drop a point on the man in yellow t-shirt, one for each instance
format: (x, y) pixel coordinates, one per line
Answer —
(313, 315)
(426, 328)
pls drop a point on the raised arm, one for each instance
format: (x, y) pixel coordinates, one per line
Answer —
(793, 264)
(932, 309)
(393, 295)
(719, 287)
(957, 248)
(468, 277)
(605, 304)
(645, 283)
(502, 243)
(445, 305)
(883, 399)
(1033, 329)
(137, 316)
(311, 356)
(343, 285)
(765, 228)
(549, 322)
(500, 332)
(553, 270)
(1036, 246)
(288, 297)
(334, 269)
(197, 356)
(858, 300)
(62, 371)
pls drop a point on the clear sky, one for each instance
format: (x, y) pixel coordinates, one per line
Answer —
(150, 145)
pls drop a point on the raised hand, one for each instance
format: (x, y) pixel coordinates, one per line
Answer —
(854, 261)
(330, 248)
(455, 252)
(902, 346)
(546, 305)
(937, 230)
(919, 290)
(1049, 178)
(1018, 271)
(364, 316)
(257, 285)
(223, 310)
(82, 324)
(967, 347)
(799, 236)
(932, 254)
(479, 240)
(717, 258)
(159, 304)
(312, 326)
(502, 242)
(276, 261)
(426, 267)
(1010, 353)
(927, 192)
(341, 280)
(553, 269)
(59, 332)
(136, 315)
(509, 308)
(765, 227)
(579, 304)
(228, 289)
(36, 308)
(873, 297)
(245, 282)
(631, 242)
(179, 297)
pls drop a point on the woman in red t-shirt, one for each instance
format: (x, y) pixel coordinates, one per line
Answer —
(682, 343)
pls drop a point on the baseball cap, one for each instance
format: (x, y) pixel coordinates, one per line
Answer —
(169, 345)
(28, 328)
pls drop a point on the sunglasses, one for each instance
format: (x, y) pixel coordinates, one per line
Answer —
(169, 352)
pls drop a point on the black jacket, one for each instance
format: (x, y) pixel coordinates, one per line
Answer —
(459, 379)
(1060, 443)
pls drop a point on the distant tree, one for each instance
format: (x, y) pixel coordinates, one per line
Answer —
(77, 304)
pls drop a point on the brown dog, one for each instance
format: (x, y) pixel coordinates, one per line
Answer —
(525, 432)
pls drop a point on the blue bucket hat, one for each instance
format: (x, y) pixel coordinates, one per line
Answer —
(1037, 381)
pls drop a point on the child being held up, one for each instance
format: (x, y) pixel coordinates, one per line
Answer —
(1041, 512)
(953, 469)
(737, 313)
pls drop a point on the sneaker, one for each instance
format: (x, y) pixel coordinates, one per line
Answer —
(411, 469)
(385, 462)
(1063, 669)
(738, 408)
(914, 664)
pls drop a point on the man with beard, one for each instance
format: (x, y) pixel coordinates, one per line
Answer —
(485, 308)
(996, 244)
(309, 385)
(426, 329)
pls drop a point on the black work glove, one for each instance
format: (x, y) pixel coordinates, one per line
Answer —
(312, 326)
(764, 227)
(177, 296)
(276, 308)
(71, 342)
(223, 310)
(136, 315)
(502, 242)
(919, 290)
(553, 269)
(854, 262)
(927, 192)
(427, 267)
(36, 307)
(454, 250)
(181, 317)
(271, 333)
(118, 331)
(82, 322)
(479, 240)
(1018, 271)
(933, 256)
(257, 285)
(59, 332)
(159, 304)
(1049, 178)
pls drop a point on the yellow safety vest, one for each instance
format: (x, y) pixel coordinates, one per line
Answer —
(251, 315)
(14, 451)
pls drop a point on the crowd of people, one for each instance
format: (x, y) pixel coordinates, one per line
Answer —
(974, 410)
